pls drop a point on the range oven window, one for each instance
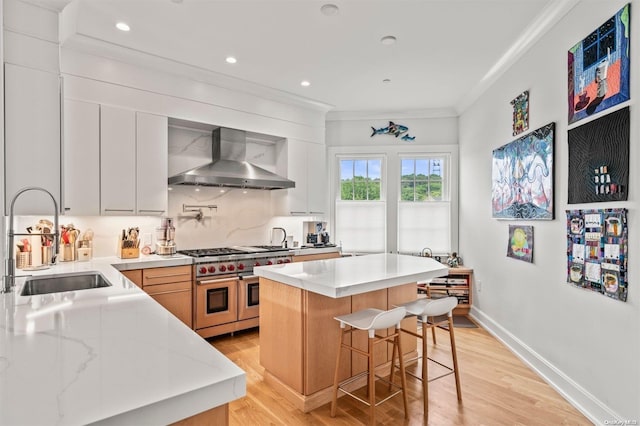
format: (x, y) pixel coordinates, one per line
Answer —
(253, 294)
(217, 300)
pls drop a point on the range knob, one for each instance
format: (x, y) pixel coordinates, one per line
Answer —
(231, 267)
(203, 270)
(212, 269)
(222, 268)
(279, 261)
(269, 262)
(256, 264)
(240, 266)
(287, 261)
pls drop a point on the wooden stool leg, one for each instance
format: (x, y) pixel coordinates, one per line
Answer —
(393, 363)
(425, 371)
(334, 401)
(433, 333)
(372, 384)
(455, 358)
(403, 377)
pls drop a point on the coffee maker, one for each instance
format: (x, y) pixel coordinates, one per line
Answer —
(165, 237)
(316, 233)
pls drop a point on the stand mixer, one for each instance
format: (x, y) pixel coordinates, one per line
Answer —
(165, 238)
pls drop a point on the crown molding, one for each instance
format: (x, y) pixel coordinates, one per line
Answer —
(385, 115)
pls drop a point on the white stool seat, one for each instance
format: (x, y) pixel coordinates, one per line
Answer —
(373, 319)
(424, 308)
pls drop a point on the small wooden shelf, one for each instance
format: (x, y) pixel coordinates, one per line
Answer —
(458, 283)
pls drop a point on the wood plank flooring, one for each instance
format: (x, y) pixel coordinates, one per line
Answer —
(497, 389)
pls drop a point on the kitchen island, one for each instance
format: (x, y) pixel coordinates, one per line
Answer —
(298, 301)
(109, 355)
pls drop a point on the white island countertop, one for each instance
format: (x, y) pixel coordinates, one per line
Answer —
(346, 276)
(110, 356)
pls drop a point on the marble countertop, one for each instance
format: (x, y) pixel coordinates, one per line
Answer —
(347, 276)
(110, 355)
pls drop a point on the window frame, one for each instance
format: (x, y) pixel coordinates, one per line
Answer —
(361, 157)
(446, 175)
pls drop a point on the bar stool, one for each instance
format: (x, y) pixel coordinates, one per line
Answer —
(371, 320)
(425, 309)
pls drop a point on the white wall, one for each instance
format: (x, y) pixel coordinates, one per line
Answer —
(585, 344)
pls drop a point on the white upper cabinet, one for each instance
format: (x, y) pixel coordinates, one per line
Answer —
(307, 168)
(32, 138)
(152, 140)
(117, 161)
(81, 160)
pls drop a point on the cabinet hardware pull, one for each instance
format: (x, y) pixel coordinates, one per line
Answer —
(66, 209)
(177, 274)
(118, 210)
(151, 211)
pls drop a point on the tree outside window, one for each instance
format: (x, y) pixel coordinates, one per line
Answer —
(360, 179)
(421, 179)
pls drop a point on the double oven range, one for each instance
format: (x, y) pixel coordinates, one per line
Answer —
(226, 293)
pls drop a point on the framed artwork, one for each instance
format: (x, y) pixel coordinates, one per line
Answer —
(522, 177)
(598, 68)
(599, 159)
(520, 244)
(597, 251)
(520, 113)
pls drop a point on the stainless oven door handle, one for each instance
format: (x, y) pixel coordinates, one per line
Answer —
(221, 280)
(250, 278)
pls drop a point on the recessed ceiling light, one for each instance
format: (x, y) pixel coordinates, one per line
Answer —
(122, 26)
(305, 83)
(388, 40)
(386, 80)
(231, 60)
(329, 9)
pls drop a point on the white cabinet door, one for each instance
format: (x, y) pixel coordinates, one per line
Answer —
(117, 161)
(81, 158)
(152, 141)
(32, 138)
(317, 178)
(297, 172)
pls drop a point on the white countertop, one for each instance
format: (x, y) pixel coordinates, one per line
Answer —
(110, 355)
(347, 276)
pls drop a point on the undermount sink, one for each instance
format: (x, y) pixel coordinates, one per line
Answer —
(67, 282)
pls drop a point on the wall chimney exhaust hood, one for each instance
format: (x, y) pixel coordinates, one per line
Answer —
(229, 167)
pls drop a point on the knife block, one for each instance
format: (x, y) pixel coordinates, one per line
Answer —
(127, 252)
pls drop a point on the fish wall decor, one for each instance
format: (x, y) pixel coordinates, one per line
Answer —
(393, 129)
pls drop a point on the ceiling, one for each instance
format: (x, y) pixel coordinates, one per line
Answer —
(447, 52)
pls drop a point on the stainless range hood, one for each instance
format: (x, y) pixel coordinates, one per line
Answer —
(229, 167)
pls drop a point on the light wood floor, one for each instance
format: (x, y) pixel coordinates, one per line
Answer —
(497, 389)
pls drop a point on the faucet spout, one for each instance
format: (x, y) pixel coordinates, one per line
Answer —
(10, 269)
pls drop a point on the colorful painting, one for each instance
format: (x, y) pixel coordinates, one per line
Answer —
(599, 159)
(520, 113)
(598, 68)
(520, 244)
(597, 251)
(522, 177)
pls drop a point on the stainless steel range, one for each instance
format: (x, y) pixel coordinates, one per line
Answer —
(226, 293)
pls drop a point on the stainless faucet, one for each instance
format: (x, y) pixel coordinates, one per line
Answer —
(10, 277)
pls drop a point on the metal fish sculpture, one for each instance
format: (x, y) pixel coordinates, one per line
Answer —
(391, 129)
(408, 138)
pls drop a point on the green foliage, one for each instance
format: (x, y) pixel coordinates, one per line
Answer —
(360, 188)
(421, 188)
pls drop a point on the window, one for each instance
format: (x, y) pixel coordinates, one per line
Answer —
(599, 44)
(360, 207)
(424, 207)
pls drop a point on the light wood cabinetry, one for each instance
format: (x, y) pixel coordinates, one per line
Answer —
(117, 161)
(169, 286)
(306, 166)
(81, 158)
(317, 256)
(32, 137)
(458, 283)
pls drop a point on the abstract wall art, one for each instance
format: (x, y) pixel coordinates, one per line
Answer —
(522, 177)
(599, 159)
(597, 251)
(598, 68)
(520, 113)
(520, 244)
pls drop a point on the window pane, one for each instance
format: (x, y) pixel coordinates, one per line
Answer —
(375, 169)
(435, 190)
(346, 169)
(360, 167)
(406, 193)
(407, 169)
(374, 190)
(436, 167)
(421, 190)
(422, 169)
(346, 189)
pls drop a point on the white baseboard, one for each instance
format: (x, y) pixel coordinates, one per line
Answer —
(592, 408)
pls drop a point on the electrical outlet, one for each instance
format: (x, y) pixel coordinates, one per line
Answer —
(479, 286)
